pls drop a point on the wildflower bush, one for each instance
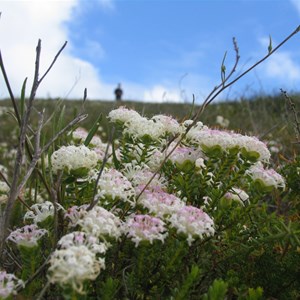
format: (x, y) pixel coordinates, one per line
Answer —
(159, 210)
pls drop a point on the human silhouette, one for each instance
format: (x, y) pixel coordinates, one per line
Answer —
(118, 92)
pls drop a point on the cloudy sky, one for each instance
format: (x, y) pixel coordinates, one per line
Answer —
(159, 50)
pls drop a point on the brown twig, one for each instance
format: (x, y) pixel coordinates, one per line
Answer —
(12, 97)
(292, 107)
(17, 184)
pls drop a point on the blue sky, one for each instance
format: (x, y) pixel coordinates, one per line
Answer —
(160, 51)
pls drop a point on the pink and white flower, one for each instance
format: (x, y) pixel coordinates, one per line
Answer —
(193, 222)
(145, 228)
(160, 203)
(27, 236)
(9, 284)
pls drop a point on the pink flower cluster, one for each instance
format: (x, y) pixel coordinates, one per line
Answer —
(145, 228)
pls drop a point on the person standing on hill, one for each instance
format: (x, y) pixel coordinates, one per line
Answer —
(118, 93)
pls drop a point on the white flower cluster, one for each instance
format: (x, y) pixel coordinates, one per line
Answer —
(140, 176)
(207, 137)
(27, 236)
(145, 228)
(72, 158)
(160, 203)
(100, 223)
(75, 213)
(80, 134)
(9, 284)
(139, 127)
(115, 185)
(268, 177)
(170, 125)
(123, 115)
(193, 222)
(74, 265)
(78, 238)
(41, 211)
(182, 154)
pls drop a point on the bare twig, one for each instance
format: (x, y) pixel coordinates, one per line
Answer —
(219, 90)
(17, 184)
(12, 97)
(292, 107)
(53, 62)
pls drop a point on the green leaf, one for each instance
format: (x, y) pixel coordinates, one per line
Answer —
(188, 283)
(216, 291)
(22, 100)
(93, 130)
(270, 48)
(115, 159)
(255, 294)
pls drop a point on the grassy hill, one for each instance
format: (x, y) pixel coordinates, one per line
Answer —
(269, 118)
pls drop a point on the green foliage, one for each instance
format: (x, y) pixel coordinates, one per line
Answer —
(254, 253)
(216, 291)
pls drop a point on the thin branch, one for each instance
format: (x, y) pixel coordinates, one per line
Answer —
(78, 119)
(36, 156)
(295, 113)
(54, 60)
(9, 89)
(209, 100)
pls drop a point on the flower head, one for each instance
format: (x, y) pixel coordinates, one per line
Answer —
(267, 177)
(160, 203)
(193, 222)
(100, 223)
(75, 213)
(123, 115)
(73, 266)
(145, 228)
(41, 211)
(208, 138)
(78, 238)
(182, 154)
(140, 176)
(27, 236)
(220, 120)
(144, 128)
(114, 184)
(170, 125)
(73, 158)
(9, 284)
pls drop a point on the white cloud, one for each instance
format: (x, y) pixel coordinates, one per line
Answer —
(280, 65)
(22, 24)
